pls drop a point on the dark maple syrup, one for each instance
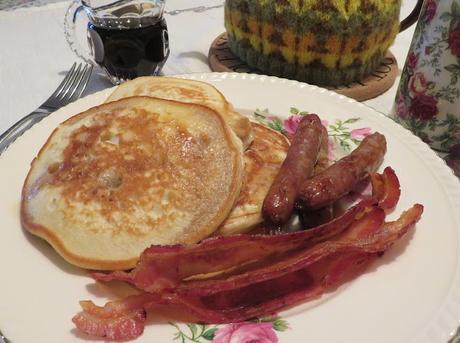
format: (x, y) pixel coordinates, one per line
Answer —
(128, 53)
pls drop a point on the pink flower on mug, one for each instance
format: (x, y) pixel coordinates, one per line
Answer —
(454, 40)
(246, 333)
(418, 84)
(412, 60)
(360, 133)
(430, 10)
(424, 107)
(402, 110)
(291, 124)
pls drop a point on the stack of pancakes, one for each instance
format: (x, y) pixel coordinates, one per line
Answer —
(163, 161)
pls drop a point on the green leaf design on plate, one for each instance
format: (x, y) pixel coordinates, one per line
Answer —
(209, 334)
(280, 325)
(351, 120)
(294, 110)
(341, 133)
(277, 124)
(197, 333)
(193, 329)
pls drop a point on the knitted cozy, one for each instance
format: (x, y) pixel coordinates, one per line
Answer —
(324, 42)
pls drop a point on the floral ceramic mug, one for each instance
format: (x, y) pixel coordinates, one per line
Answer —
(428, 98)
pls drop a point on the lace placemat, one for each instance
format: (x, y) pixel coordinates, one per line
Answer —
(9, 5)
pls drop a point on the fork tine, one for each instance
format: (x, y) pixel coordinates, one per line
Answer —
(70, 88)
(71, 75)
(85, 81)
(82, 82)
(63, 84)
(71, 83)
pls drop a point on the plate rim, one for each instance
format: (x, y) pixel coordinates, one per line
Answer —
(444, 324)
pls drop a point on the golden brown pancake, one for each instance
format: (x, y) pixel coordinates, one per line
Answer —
(262, 159)
(189, 91)
(113, 180)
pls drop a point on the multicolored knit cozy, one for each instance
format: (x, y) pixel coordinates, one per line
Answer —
(325, 42)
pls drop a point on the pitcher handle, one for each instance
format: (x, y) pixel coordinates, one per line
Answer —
(70, 19)
(412, 17)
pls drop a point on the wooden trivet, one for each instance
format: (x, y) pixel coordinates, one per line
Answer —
(221, 59)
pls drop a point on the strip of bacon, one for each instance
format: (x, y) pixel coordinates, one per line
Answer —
(271, 296)
(117, 320)
(258, 299)
(164, 267)
(291, 261)
(386, 188)
(231, 306)
(365, 235)
(340, 260)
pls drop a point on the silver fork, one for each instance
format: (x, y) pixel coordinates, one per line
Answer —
(198, 9)
(69, 90)
(3, 339)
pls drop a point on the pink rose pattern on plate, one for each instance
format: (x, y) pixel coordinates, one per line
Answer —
(246, 333)
(262, 330)
(430, 82)
(342, 138)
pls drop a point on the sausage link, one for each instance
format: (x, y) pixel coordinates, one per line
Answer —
(312, 218)
(296, 168)
(322, 161)
(340, 178)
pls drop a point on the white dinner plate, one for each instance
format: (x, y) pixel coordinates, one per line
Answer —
(412, 294)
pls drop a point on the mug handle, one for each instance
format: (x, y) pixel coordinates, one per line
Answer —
(412, 17)
(70, 20)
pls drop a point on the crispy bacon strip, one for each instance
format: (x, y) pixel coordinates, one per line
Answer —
(271, 296)
(340, 260)
(386, 188)
(267, 269)
(290, 262)
(117, 320)
(164, 267)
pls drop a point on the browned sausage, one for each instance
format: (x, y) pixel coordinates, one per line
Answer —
(323, 160)
(296, 168)
(340, 178)
(312, 218)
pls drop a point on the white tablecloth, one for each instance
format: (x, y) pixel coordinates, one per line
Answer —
(34, 55)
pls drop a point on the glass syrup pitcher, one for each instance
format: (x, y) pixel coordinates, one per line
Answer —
(127, 38)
